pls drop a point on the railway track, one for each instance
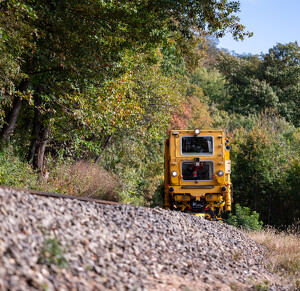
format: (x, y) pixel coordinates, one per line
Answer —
(63, 196)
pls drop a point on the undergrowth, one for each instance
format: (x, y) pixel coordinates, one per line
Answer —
(15, 172)
(245, 218)
(81, 178)
(283, 252)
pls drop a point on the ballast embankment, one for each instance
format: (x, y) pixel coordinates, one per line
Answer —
(63, 244)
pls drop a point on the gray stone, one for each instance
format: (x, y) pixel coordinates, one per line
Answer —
(119, 247)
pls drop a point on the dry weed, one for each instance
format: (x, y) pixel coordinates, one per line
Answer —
(85, 179)
(284, 252)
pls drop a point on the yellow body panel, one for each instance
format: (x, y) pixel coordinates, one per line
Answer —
(186, 189)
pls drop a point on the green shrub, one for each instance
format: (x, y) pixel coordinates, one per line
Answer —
(245, 219)
(16, 172)
(158, 197)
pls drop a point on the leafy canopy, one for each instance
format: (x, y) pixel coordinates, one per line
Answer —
(270, 81)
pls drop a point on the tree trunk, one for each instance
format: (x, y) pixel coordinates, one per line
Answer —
(255, 194)
(36, 127)
(104, 147)
(39, 136)
(269, 209)
(40, 146)
(11, 118)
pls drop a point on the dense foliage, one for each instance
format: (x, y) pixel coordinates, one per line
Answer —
(89, 89)
(264, 157)
(269, 81)
(245, 218)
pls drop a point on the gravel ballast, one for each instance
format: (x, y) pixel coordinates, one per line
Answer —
(120, 247)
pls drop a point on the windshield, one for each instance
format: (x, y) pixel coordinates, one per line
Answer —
(194, 145)
(202, 172)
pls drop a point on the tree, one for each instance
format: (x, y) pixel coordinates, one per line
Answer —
(281, 70)
(213, 85)
(14, 42)
(248, 93)
(76, 45)
(140, 100)
(265, 159)
(270, 81)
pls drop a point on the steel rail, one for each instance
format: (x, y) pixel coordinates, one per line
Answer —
(56, 195)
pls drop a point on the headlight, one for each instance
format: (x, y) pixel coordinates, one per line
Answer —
(223, 188)
(174, 173)
(220, 173)
(197, 131)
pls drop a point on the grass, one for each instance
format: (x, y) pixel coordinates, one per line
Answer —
(284, 252)
(15, 172)
(81, 178)
(262, 286)
(52, 253)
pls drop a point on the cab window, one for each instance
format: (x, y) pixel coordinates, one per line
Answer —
(196, 145)
(201, 172)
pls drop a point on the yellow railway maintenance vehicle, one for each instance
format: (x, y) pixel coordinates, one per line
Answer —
(197, 172)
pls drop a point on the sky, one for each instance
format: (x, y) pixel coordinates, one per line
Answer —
(271, 21)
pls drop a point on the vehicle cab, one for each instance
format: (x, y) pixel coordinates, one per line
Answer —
(197, 172)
